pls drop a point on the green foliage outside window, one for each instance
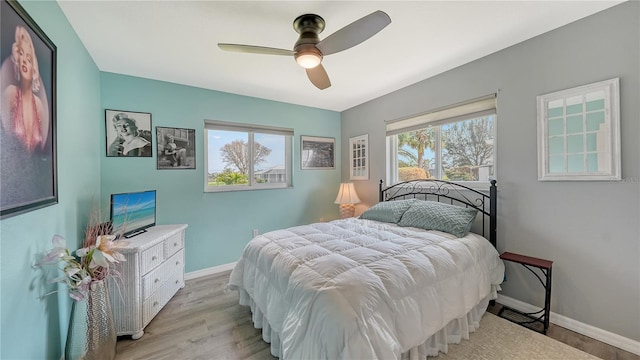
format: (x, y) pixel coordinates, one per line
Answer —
(228, 177)
(465, 149)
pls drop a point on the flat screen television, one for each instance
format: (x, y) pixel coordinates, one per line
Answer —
(132, 213)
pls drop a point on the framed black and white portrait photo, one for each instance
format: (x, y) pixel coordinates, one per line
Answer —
(176, 148)
(128, 133)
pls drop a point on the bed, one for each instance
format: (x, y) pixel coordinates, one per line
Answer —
(412, 274)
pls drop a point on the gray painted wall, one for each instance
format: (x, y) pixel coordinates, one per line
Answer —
(589, 229)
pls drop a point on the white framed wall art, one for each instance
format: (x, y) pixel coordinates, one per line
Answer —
(579, 133)
(359, 157)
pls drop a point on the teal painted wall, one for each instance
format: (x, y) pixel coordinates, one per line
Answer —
(220, 224)
(34, 326)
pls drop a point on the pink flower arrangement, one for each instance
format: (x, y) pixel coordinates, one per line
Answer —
(94, 262)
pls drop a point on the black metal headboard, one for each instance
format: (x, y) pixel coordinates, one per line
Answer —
(454, 194)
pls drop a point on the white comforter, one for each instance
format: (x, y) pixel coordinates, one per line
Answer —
(361, 289)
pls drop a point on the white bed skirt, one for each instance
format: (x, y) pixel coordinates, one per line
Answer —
(452, 333)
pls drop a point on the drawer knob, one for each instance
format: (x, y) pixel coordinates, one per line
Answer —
(175, 244)
(177, 262)
(153, 258)
(155, 303)
(177, 282)
(156, 280)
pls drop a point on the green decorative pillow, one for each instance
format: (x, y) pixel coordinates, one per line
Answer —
(388, 211)
(431, 215)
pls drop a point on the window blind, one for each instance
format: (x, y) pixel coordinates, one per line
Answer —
(483, 106)
(262, 129)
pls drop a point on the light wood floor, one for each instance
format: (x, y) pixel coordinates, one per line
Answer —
(202, 321)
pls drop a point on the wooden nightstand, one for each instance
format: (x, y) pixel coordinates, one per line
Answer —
(529, 320)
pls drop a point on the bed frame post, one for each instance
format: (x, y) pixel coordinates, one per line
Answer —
(493, 197)
(380, 197)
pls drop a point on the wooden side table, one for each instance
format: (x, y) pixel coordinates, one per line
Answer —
(529, 320)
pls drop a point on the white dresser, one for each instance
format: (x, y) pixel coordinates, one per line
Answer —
(152, 274)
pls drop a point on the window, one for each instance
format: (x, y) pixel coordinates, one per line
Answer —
(246, 157)
(455, 143)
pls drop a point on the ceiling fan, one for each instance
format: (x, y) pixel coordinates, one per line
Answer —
(309, 49)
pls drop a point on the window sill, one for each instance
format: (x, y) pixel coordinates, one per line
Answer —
(475, 185)
(228, 188)
(482, 186)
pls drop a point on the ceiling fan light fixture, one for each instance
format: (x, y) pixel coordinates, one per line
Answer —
(309, 50)
(308, 59)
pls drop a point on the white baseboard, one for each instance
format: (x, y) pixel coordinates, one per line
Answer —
(606, 337)
(209, 271)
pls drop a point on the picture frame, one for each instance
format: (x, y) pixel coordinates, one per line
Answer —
(359, 157)
(28, 149)
(176, 148)
(579, 133)
(128, 133)
(317, 153)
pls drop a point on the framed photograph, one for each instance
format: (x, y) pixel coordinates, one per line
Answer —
(176, 148)
(579, 133)
(359, 157)
(28, 163)
(317, 152)
(128, 133)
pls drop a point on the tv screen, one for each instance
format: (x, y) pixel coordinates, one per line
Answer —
(132, 213)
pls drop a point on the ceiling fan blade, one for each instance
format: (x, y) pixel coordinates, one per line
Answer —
(354, 33)
(255, 49)
(318, 76)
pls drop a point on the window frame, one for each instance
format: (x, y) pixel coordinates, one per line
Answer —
(474, 109)
(251, 130)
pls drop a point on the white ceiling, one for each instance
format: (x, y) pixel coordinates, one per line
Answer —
(176, 41)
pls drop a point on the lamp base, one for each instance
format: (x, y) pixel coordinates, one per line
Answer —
(347, 210)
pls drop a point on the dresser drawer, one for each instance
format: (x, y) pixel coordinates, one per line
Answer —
(174, 244)
(161, 297)
(151, 257)
(157, 277)
(151, 306)
(174, 284)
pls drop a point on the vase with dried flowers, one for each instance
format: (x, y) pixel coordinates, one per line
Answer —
(91, 332)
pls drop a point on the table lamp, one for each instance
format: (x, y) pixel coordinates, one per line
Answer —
(347, 198)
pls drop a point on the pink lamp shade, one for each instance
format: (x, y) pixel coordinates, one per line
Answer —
(347, 197)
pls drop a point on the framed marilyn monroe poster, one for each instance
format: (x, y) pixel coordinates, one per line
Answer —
(28, 168)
